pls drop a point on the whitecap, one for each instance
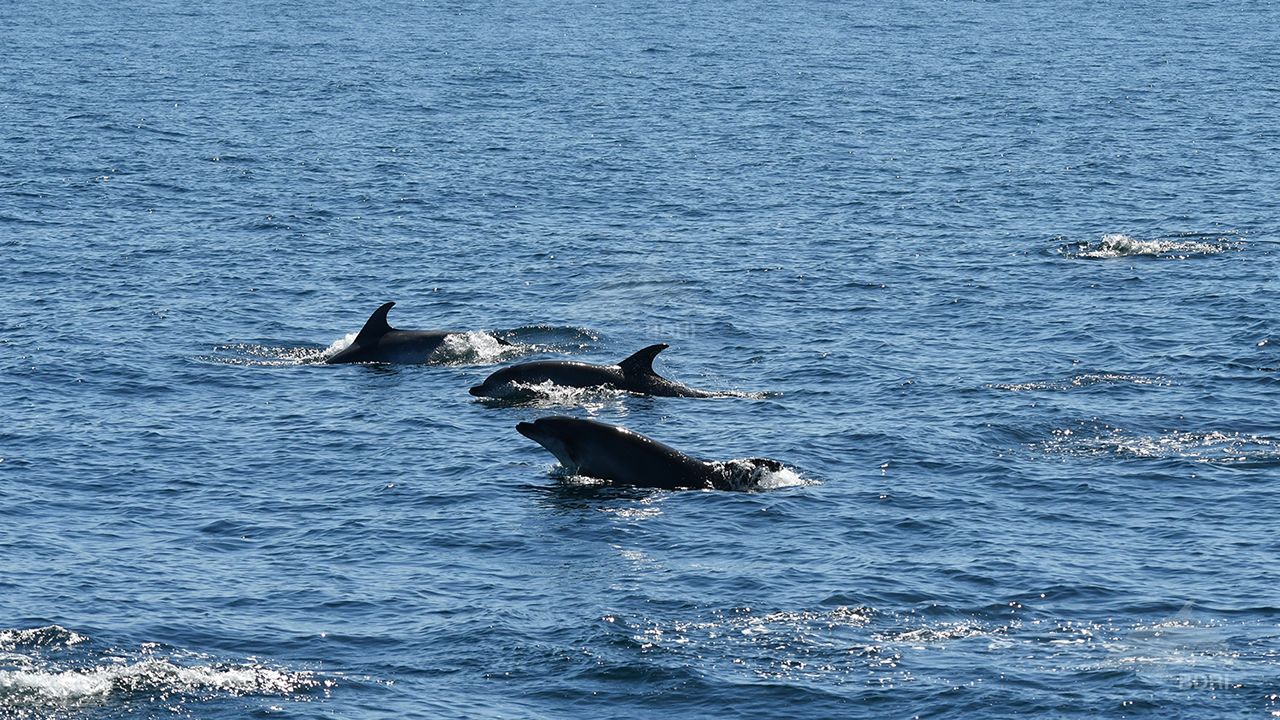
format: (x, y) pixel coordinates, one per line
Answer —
(49, 636)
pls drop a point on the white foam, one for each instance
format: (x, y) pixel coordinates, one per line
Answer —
(62, 686)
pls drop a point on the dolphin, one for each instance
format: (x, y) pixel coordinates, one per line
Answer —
(625, 457)
(378, 342)
(635, 374)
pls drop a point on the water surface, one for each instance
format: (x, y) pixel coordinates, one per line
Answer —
(999, 283)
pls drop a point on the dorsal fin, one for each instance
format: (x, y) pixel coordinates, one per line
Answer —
(376, 326)
(641, 362)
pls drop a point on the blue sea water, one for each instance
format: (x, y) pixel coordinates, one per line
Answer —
(998, 281)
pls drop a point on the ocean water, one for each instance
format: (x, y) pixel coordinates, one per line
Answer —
(998, 282)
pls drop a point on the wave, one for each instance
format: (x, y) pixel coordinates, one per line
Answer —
(941, 632)
(261, 355)
(461, 348)
(158, 678)
(765, 639)
(49, 671)
(1181, 247)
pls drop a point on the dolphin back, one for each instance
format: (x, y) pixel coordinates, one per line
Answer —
(640, 376)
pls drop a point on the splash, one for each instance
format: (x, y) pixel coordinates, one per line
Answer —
(570, 478)
(754, 475)
(1119, 245)
(337, 346)
(473, 348)
(745, 475)
(549, 394)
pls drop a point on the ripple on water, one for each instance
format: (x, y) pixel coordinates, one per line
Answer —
(1083, 380)
(1224, 448)
(851, 652)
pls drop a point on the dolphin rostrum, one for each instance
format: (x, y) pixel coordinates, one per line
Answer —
(619, 455)
(635, 374)
(378, 342)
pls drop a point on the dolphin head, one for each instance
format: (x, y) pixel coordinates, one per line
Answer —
(498, 384)
(766, 463)
(619, 455)
(747, 475)
(556, 435)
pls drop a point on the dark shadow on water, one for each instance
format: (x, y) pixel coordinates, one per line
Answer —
(550, 338)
